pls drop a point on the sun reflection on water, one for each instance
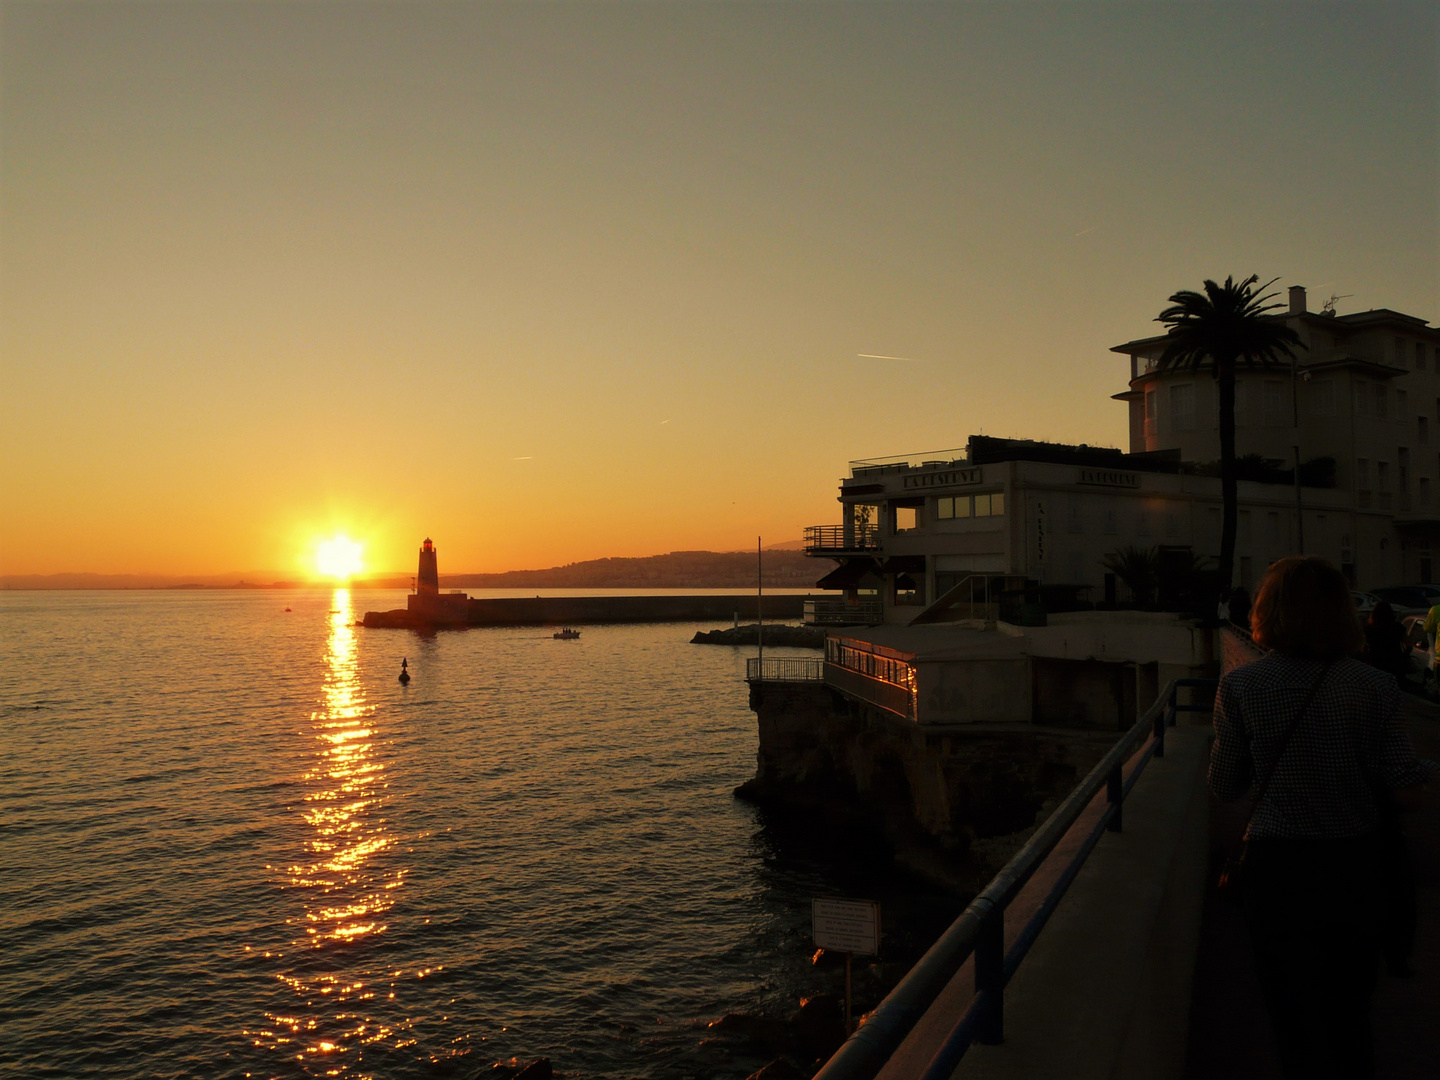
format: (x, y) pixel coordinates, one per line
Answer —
(346, 885)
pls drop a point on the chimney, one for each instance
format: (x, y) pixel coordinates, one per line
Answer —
(1297, 299)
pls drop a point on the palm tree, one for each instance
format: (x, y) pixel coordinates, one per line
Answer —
(1219, 329)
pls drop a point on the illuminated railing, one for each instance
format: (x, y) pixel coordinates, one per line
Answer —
(872, 673)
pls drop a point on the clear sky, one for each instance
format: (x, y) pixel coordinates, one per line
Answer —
(550, 282)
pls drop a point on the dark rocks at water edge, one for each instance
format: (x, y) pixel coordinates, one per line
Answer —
(815, 1031)
(804, 637)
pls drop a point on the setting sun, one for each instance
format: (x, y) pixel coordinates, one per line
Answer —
(339, 557)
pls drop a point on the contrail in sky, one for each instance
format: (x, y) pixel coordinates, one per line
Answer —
(527, 457)
(877, 356)
(1082, 232)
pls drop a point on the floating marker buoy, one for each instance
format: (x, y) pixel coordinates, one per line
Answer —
(287, 609)
(404, 672)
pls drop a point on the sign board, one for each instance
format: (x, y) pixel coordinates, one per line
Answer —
(943, 478)
(849, 926)
(1109, 478)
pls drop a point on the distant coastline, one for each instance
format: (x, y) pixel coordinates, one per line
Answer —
(785, 568)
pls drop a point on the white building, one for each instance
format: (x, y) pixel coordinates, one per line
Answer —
(1355, 411)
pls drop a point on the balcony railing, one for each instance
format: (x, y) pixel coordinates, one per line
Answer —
(826, 538)
(784, 669)
(873, 673)
(843, 613)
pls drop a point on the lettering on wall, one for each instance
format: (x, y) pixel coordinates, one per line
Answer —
(1109, 478)
(1040, 532)
(943, 478)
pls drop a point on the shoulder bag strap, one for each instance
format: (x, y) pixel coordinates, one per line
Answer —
(1285, 743)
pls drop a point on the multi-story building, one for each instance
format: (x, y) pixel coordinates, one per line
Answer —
(1354, 412)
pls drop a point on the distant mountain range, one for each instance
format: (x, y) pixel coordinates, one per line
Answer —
(785, 567)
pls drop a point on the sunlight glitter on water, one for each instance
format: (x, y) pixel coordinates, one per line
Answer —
(345, 894)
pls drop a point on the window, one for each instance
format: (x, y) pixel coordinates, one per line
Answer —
(1323, 395)
(1402, 405)
(1152, 405)
(1399, 351)
(1422, 429)
(1274, 403)
(1111, 525)
(1182, 407)
(1172, 524)
(1142, 524)
(1402, 474)
(964, 506)
(1425, 491)
(1419, 356)
(1242, 403)
(1362, 474)
(1382, 401)
(1382, 475)
(906, 519)
(1077, 524)
(1362, 398)
(1242, 527)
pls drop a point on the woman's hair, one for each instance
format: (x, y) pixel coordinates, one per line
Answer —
(1304, 608)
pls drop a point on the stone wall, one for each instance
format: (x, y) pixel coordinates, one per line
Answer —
(952, 805)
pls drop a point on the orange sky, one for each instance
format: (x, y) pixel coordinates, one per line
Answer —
(557, 282)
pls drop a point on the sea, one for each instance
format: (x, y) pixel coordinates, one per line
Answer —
(232, 844)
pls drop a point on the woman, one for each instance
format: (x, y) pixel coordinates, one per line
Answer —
(1385, 644)
(1320, 735)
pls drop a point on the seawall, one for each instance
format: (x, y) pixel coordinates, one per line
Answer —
(952, 805)
(585, 610)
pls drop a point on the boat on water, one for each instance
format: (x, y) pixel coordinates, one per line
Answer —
(566, 634)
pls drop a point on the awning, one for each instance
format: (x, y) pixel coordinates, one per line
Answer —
(848, 574)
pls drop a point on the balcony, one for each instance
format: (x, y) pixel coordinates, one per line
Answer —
(784, 669)
(831, 540)
(843, 613)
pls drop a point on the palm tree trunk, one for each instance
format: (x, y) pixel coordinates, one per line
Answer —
(1229, 497)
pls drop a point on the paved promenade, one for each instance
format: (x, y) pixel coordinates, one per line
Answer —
(1229, 1033)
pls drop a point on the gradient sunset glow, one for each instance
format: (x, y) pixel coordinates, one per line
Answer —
(565, 281)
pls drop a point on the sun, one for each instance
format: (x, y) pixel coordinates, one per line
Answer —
(340, 557)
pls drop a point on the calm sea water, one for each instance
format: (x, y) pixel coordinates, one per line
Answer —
(231, 844)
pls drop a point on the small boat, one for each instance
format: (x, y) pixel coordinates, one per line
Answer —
(566, 635)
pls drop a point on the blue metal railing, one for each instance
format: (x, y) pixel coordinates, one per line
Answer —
(980, 929)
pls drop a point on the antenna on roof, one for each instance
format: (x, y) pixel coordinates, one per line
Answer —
(1329, 308)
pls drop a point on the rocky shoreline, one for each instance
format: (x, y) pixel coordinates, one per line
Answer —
(801, 637)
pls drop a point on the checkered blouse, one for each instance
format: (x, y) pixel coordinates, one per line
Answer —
(1350, 739)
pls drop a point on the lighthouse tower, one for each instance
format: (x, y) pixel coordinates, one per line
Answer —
(427, 581)
(428, 606)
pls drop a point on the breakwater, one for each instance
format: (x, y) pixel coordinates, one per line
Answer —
(582, 610)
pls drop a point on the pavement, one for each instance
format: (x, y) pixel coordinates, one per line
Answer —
(1230, 1036)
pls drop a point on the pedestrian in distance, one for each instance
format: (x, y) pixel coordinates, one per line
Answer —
(1319, 737)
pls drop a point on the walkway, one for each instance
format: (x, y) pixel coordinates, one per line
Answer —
(1229, 1035)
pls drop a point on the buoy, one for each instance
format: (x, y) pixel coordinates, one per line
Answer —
(404, 673)
(287, 609)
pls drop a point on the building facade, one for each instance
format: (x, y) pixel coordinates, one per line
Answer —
(1354, 413)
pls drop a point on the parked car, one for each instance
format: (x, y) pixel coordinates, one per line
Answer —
(1364, 601)
(1405, 599)
(1421, 675)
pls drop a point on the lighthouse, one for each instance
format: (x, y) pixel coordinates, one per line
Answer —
(428, 606)
(427, 581)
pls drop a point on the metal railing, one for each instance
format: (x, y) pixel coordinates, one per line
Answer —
(861, 537)
(784, 669)
(843, 612)
(980, 929)
(929, 459)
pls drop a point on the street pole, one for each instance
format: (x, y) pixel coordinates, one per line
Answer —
(1295, 416)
